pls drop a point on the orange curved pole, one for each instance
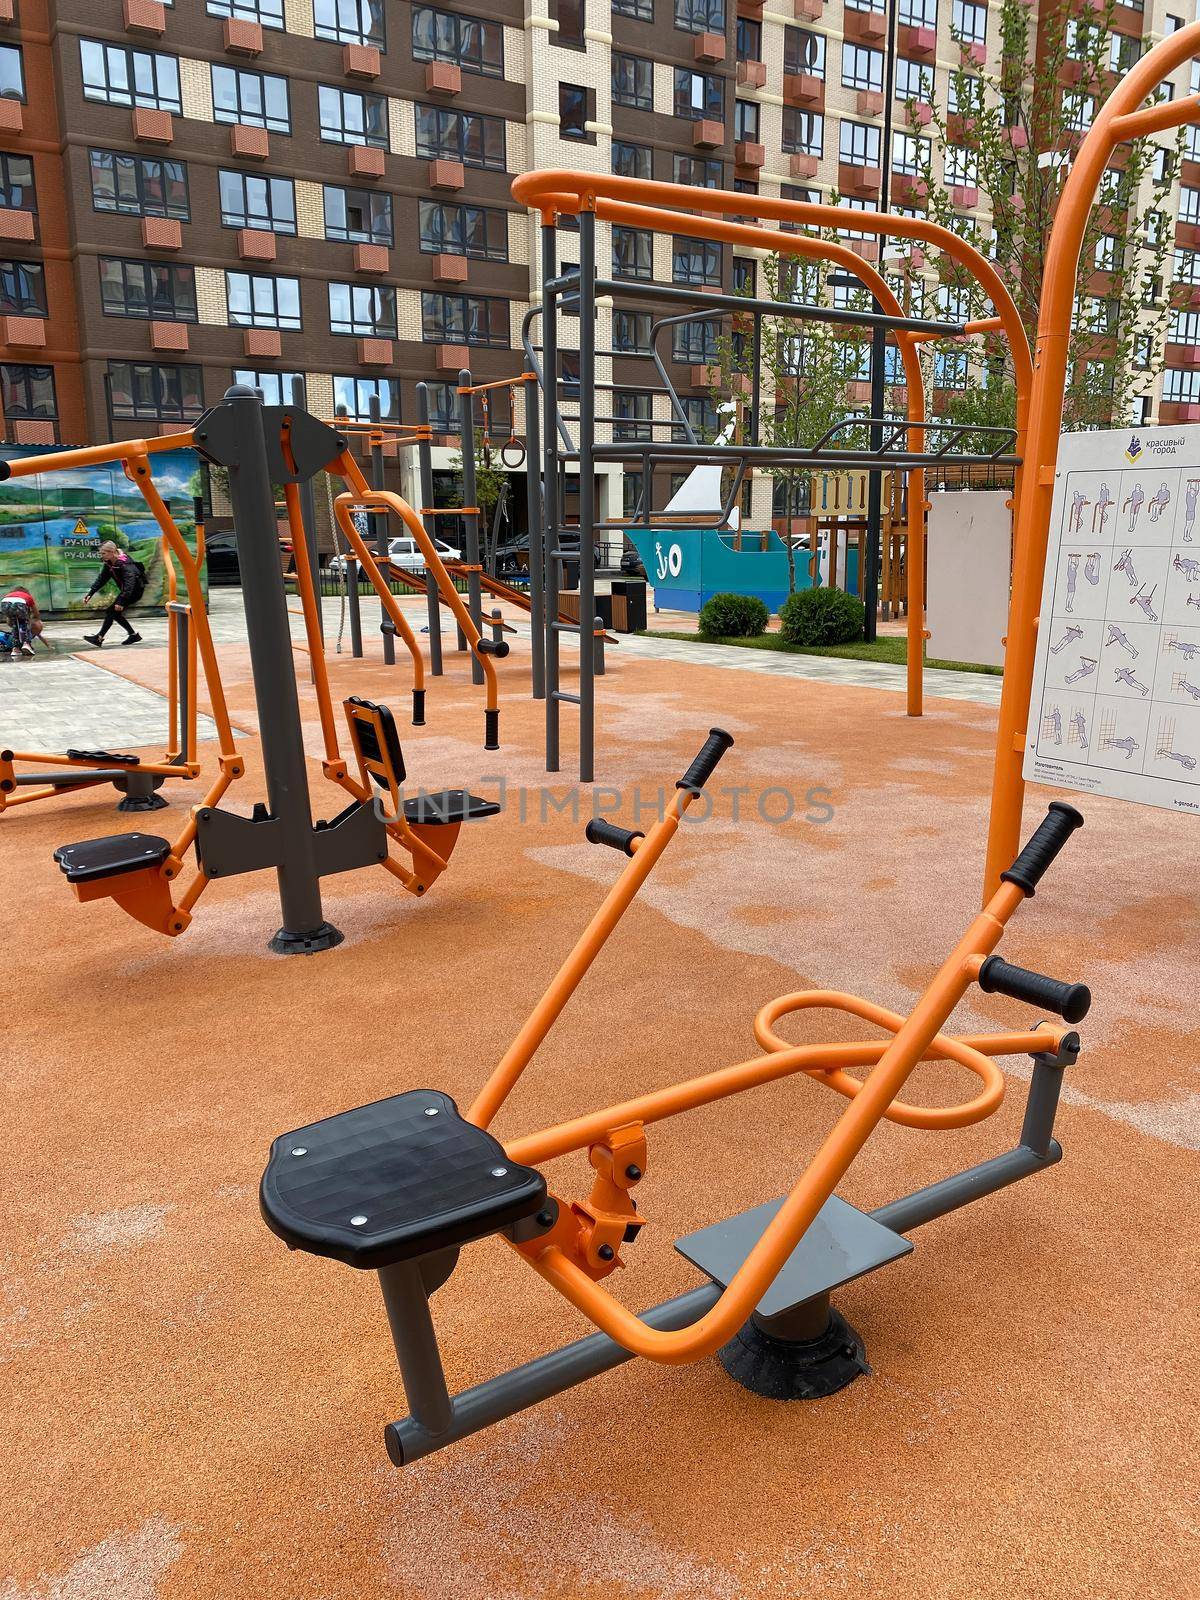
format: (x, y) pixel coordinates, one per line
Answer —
(1118, 119)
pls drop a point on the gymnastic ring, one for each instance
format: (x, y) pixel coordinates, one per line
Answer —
(942, 1047)
(519, 448)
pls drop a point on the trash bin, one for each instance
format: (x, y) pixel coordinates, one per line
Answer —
(633, 592)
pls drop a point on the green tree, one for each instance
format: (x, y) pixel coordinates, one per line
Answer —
(491, 482)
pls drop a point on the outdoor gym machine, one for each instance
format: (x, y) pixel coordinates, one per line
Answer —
(262, 446)
(136, 779)
(400, 1186)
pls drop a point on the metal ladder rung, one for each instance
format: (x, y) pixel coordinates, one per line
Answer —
(565, 627)
(563, 694)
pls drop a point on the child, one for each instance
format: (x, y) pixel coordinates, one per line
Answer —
(20, 620)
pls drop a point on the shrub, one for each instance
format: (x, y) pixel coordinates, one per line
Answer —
(733, 616)
(822, 616)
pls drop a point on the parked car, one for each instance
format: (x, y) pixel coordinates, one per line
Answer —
(631, 564)
(405, 552)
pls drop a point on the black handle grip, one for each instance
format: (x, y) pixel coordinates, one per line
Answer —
(703, 767)
(600, 831)
(492, 647)
(1070, 1001)
(491, 730)
(418, 716)
(1060, 823)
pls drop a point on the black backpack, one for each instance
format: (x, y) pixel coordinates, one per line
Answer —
(140, 588)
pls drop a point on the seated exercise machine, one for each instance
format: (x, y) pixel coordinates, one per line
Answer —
(400, 1186)
(261, 446)
(136, 779)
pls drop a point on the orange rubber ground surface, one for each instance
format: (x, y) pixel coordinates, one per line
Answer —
(191, 1411)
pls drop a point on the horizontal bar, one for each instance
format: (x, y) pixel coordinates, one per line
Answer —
(77, 778)
(801, 310)
(711, 455)
(565, 627)
(951, 1194)
(562, 694)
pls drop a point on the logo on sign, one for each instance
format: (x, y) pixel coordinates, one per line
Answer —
(671, 562)
(1134, 448)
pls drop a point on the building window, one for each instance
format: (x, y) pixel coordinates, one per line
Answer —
(745, 121)
(569, 16)
(17, 192)
(361, 309)
(443, 408)
(633, 253)
(910, 154)
(27, 391)
(639, 10)
(696, 343)
(698, 172)
(1105, 257)
(953, 302)
(631, 495)
(267, 13)
(347, 117)
(745, 277)
(964, 95)
(1141, 410)
(700, 16)
(459, 230)
(12, 73)
(358, 216)
(139, 186)
(1124, 53)
(1185, 329)
(632, 411)
(1180, 386)
(803, 52)
(631, 160)
(1187, 266)
(632, 82)
(576, 108)
(968, 22)
(803, 131)
(122, 77)
(914, 81)
(258, 300)
(276, 388)
(349, 21)
(22, 289)
(631, 333)
(699, 94)
(143, 391)
(465, 136)
(1189, 205)
(464, 319)
(695, 261)
(862, 68)
(918, 13)
(749, 39)
(467, 42)
(702, 415)
(248, 201)
(147, 289)
(352, 398)
(962, 166)
(254, 99)
(858, 145)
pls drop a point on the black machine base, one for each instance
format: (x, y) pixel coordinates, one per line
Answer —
(795, 1369)
(286, 943)
(141, 802)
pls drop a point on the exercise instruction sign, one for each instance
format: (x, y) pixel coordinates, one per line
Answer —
(1115, 707)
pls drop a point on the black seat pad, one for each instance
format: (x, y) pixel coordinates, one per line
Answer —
(112, 855)
(450, 805)
(420, 1177)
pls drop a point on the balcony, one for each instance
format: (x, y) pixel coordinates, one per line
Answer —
(708, 134)
(256, 244)
(976, 54)
(1187, 235)
(370, 258)
(252, 144)
(1016, 138)
(6, 10)
(452, 357)
(149, 127)
(262, 344)
(361, 61)
(804, 89)
(751, 74)
(442, 77)
(920, 114)
(909, 190)
(710, 48)
(365, 161)
(168, 336)
(705, 377)
(809, 10)
(748, 153)
(449, 269)
(17, 225)
(243, 38)
(161, 233)
(375, 352)
(23, 333)
(860, 181)
(446, 175)
(144, 16)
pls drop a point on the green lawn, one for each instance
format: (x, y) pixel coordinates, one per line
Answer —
(887, 647)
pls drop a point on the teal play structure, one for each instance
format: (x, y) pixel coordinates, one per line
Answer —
(686, 566)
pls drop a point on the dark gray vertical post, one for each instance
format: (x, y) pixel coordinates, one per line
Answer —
(466, 416)
(587, 485)
(598, 646)
(425, 472)
(550, 488)
(379, 530)
(537, 537)
(352, 606)
(308, 516)
(239, 435)
(416, 1345)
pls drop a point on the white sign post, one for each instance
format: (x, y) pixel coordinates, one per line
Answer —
(1115, 707)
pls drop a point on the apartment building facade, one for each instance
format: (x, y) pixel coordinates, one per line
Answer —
(313, 195)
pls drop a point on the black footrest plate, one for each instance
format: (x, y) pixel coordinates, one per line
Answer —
(111, 856)
(449, 805)
(105, 755)
(392, 1181)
